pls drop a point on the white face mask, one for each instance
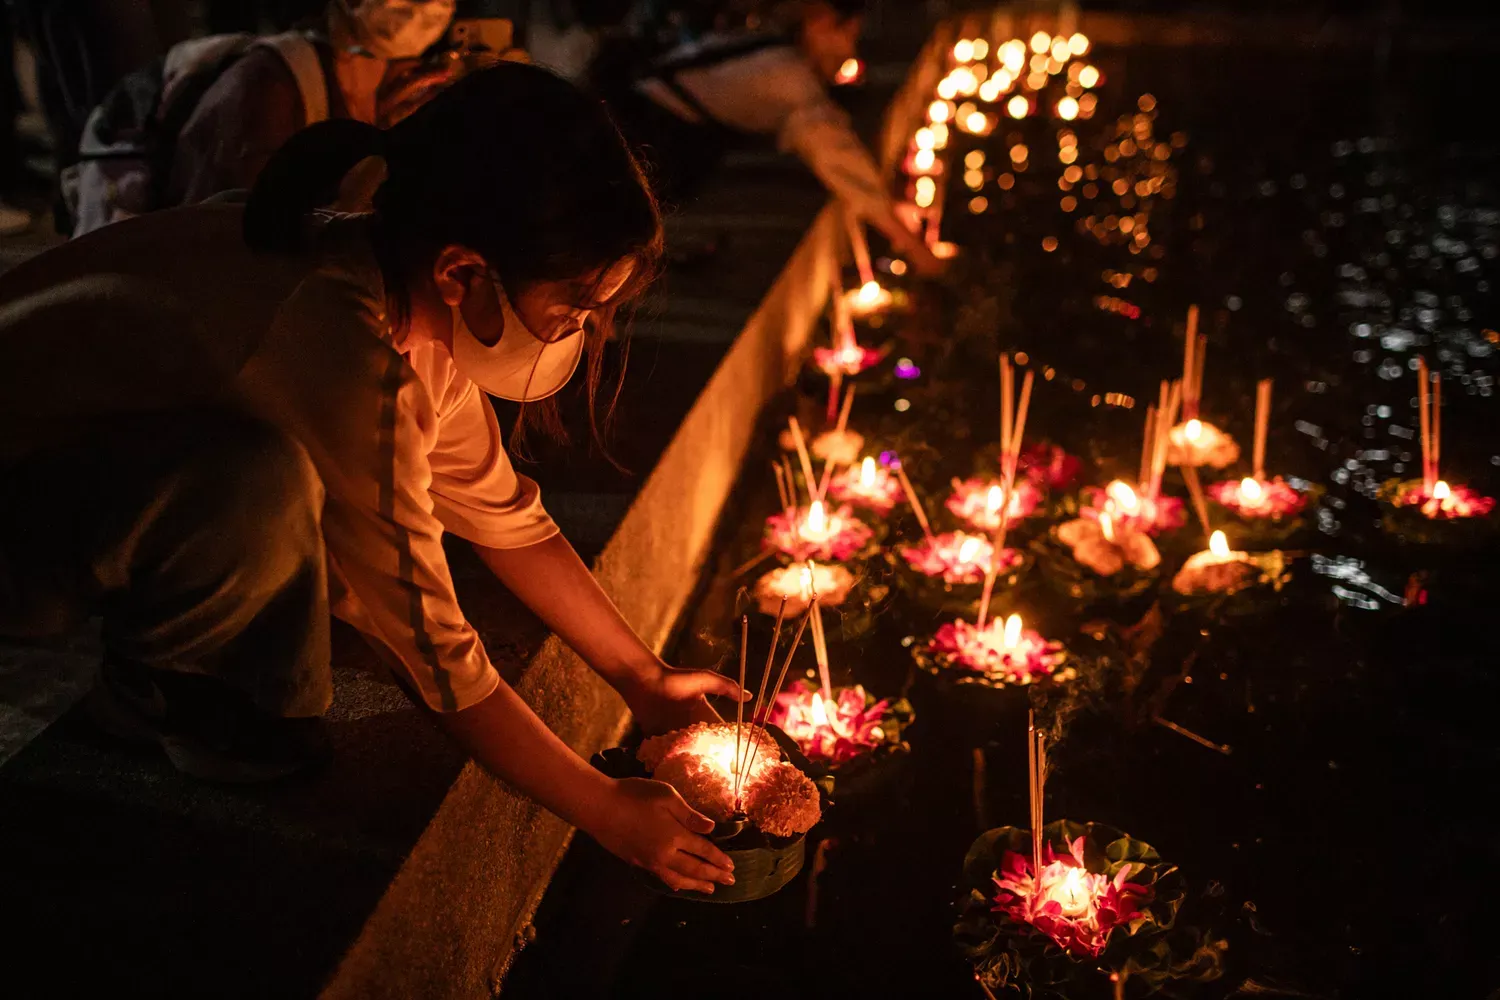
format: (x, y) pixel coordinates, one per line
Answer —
(518, 366)
(398, 29)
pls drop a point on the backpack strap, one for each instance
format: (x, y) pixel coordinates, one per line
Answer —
(300, 54)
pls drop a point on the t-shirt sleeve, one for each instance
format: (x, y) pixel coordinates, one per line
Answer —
(819, 132)
(476, 493)
(248, 113)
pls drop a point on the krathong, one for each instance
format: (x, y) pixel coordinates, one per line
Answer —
(846, 359)
(867, 300)
(1442, 502)
(1134, 510)
(1195, 443)
(1076, 908)
(1104, 903)
(838, 446)
(830, 730)
(1216, 570)
(958, 558)
(1255, 499)
(700, 762)
(798, 583)
(868, 485)
(978, 501)
(814, 532)
(1001, 653)
(1107, 548)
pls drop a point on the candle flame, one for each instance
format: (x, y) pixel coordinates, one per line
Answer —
(939, 111)
(869, 292)
(1251, 491)
(1070, 892)
(1041, 42)
(867, 473)
(1219, 545)
(1088, 76)
(1440, 490)
(1067, 109)
(977, 122)
(1012, 631)
(924, 159)
(924, 138)
(1124, 497)
(963, 50)
(805, 582)
(816, 519)
(848, 71)
(1079, 44)
(1107, 526)
(995, 500)
(969, 550)
(819, 713)
(1017, 106)
(1193, 431)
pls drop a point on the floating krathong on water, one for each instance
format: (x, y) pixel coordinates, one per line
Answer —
(1256, 499)
(1216, 570)
(978, 501)
(869, 485)
(869, 299)
(1076, 908)
(1002, 652)
(1102, 546)
(959, 558)
(813, 532)
(848, 359)
(1196, 443)
(1443, 502)
(798, 583)
(1133, 510)
(830, 730)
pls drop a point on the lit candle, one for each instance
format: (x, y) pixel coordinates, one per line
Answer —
(815, 526)
(867, 473)
(1193, 431)
(1217, 570)
(1442, 494)
(1125, 498)
(979, 501)
(1251, 493)
(1071, 893)
(1002, 651)
(796, 584)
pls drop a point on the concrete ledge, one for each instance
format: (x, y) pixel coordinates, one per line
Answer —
(449, 922)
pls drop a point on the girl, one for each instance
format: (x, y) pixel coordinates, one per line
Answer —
(216, 419)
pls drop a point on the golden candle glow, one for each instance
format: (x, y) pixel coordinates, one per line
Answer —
(969, 550)
(939, 111)
(995, 500)
(1078, 45)
(1067, 109)
(1107, 527)
(924, 159)
(848, 72)
(1218, 544)
(976, 122)
(867, 473)
(1059, 50)
(1193, 431)
(981, 48)
(1088, 76)
(1440, 490)
(805, 583)
(924, 139)
(1013, 56)
(1251, 492)
(926, 191)
(817, 711)
(947, 88)
(869, 292)
(1012, 631)
(1041, 42)
(1070, 893)
(963, 50)
(1017, 106)
(1124, 497)
(816, 524)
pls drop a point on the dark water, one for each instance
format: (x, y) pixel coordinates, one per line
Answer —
(1333, 215)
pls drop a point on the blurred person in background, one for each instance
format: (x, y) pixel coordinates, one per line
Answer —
(768, 80)
(210, 116)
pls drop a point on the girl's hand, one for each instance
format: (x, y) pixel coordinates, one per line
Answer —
(648, 824)
(664, 698)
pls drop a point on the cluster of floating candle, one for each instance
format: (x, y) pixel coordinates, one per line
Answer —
(959, 558)
(1001, 651)
(868, 300)
(1434, 497)
(1196, 443)
(869, 485)
(830, 730)
(846, 359)
(978, 502)
(1444, 502)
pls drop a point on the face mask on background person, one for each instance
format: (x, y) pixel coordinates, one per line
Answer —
(519, 366)
(396, 29)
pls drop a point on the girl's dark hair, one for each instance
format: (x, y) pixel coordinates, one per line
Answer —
(512, 162)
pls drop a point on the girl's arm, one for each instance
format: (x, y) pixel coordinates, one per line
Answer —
(550, 579)
(644, 822)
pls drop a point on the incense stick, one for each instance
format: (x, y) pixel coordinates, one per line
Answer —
(1018, 429)
(1424, 415)
(911, 498)
(765, 676)
(739, 702)
(835, 382)
(1007, 409)
(804, 458)
(786, 500)
(844, 411)
(812, 609)
(1189, 342)
(1262, 422)
(1199, 356)
(791, 481)
(859, 247)
(1195, 490)
(1437, 426)
(820, 640)
(1148, 445)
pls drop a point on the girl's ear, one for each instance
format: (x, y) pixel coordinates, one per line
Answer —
(454, 269)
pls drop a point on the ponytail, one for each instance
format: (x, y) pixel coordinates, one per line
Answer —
(304, 175)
